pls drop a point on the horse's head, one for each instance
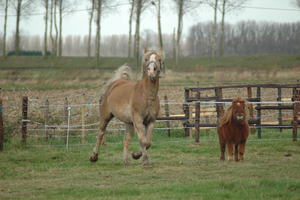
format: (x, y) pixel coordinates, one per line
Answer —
(152, 63)
(239, 111)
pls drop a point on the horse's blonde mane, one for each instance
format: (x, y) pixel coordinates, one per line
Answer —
(227, 116)
(156, 50)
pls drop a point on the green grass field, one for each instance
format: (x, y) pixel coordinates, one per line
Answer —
(182, 169)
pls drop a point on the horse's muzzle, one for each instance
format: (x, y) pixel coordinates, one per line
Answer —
(240, 117)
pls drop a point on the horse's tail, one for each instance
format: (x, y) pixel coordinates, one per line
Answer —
(123, 72)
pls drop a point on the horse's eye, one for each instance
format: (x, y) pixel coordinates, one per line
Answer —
(159, 60)
(233, 107)
(243, 107)
(146, 59)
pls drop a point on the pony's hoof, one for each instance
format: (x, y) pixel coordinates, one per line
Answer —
(135, 155)
(94, 158)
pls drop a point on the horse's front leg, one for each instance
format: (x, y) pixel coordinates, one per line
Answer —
(143, 143)
(242, 151)
(149, 133)
(127, 138)
(236, 152)
(230, 151)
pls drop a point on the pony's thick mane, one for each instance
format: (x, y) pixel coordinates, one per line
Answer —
(227, 116)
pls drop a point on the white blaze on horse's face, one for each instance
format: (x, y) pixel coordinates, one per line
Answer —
(152, 67)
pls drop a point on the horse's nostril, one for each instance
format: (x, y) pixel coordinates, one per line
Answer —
(154, 68)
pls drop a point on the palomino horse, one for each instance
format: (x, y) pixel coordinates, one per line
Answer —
(233, 130)
(136, 104)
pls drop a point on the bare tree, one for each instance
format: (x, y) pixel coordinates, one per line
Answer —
(160, 43)
(91, 12)
(46, 4)
(23, 9)
(226, 7)
(296, 3)
(5, 5)
(130, 24)
(98, 8)
(182, 8)
(214, 5)
(51, 36)
(65, 7)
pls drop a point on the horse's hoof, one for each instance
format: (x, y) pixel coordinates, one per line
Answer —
(136, 155)
(94, 158)
(147, 165)
(127, 163)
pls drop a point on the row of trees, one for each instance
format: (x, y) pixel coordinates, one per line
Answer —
(242, 38)
(98, 8)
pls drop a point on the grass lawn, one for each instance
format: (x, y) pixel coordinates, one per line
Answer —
(182, 169)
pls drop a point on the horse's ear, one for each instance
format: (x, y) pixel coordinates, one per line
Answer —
(145, 50)
(160, 49)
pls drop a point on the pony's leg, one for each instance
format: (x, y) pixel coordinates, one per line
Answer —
(149, 133)
(143, 144)
(230, 151)
(236, 153)
(127, 138)
(101, 133)
(242, 151)
(222, 149)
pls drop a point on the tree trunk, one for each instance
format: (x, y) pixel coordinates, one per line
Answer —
(213, 42)
(46, 29)
(60, 29)
(174, 45)
(17, 36)
(222, 32)
(129, 37)
(159, 26)
(56, 30)
(98, 32)
(90, 29)
(137, 31)
(179, 29)
(51, 36)
(299, 47)
(4, 35)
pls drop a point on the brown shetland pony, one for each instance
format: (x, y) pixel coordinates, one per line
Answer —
(136, 104)
(233, 130)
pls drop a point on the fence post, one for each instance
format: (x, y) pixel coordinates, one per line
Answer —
(186, 111)
(68, 131)
(220, 109)
(258, 113)
(280, 112)
(296, 113)
(249, 91)
(66, 118)
(190, 115)
(104, 137)
(83, 118)
(46, 119)
(1, 126)
(24, 118)
(197, 117)
(167, 115)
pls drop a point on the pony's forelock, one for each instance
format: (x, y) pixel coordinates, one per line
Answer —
(227, 116)
(156, 50)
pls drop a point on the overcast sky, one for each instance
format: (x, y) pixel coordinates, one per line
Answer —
(117, 23)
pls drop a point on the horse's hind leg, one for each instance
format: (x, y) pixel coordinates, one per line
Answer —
(103, 124)
(236, 153)
(127, 138)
